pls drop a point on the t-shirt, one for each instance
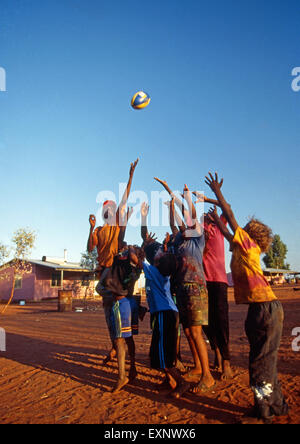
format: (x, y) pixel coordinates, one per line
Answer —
(158, 290)
(214, 254)
(189, 252)
(250, 285)
(121, 277)
(108, 244)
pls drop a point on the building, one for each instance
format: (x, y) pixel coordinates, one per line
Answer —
(277, 276)
(46, 277)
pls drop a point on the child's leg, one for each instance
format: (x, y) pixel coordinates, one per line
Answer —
(121, 356)
(179, 364)
(207, 380)
(264, 329)
(131, 351)
(221, 325)
(121, 330)
(197, 370)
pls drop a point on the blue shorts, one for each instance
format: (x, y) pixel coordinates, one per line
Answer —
(122, 318)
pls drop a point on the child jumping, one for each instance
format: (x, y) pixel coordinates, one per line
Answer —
(264, 322)
(217, 330)
(122, 313)
(191, 291)
(165, 321)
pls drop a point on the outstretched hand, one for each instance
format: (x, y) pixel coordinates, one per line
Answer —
(150, 238)
(129, 213)
(200, 197)
(92, 221)
(144, 209)
(162, 182)
(213, 182)
(213, 214)
(133, 167)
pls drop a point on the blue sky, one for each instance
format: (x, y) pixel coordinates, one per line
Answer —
(219, 76)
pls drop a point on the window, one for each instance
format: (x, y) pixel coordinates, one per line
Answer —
(18, 282)
(56, 280)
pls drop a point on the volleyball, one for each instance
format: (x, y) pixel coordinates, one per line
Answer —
(140, 100)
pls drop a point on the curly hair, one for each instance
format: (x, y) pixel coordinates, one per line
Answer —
(260, 233)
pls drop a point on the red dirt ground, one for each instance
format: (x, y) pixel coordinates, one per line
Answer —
(51, 372)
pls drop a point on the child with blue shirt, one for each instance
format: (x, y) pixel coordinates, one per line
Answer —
(165, 320)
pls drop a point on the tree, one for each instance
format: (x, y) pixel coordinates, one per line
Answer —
(89, 260)
(275, 258)
(4, 253)
(23, 242)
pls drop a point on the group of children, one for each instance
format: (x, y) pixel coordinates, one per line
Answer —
(186, 284)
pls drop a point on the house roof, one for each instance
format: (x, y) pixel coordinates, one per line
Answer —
(280, 271)
(62, 266)
(66, 266)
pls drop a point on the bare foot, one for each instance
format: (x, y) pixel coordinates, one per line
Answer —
(180, 366)
(205, 385)
(218, 360)
(227, 371)
(112, 354)
(193, 374)
(163, 385)
(182, 388)
(120, 384)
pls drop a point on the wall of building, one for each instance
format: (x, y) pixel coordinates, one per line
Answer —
(26, 292)
(37, 285)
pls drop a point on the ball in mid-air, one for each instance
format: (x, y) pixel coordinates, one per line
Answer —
(140, 100)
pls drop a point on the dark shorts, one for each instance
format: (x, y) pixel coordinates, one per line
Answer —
(192, 303)
(163, 349)
(122, 318)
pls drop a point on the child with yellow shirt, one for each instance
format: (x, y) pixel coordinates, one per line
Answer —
(264, 322)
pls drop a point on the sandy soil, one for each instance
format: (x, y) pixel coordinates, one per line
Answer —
(52, 372)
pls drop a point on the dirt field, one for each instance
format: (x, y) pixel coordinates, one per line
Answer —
(52, 373)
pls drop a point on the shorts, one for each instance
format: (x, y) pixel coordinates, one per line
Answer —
(192, 303)
(122, 318)
(163, 351)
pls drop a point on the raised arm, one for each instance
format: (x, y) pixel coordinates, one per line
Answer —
(214, 217)
(179, 222)
(127, 191)
(192, 210)
(215, 185)
(178, 202)
(172, 221)
(202, 198)
(124, 218)
(92, 240)
(144, 215)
